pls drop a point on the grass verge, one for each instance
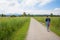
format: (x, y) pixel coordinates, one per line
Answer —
(22, 32)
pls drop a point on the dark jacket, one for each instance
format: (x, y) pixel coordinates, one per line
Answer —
(47, 20)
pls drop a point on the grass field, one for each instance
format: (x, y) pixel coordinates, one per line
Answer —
(13, 28)
(55, 23)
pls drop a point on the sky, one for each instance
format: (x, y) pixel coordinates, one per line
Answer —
(30, 7)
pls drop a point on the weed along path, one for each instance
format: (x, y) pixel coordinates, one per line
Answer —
(38, 32)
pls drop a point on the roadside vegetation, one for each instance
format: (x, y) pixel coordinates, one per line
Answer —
(13, 28)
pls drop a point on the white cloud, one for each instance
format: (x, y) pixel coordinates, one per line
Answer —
(56, 11)
(24, 4)
(8, 6)
(44, 2)
(13, 6)
(32, 3)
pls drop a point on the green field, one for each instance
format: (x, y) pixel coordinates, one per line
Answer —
(55, 23)
(13, 28)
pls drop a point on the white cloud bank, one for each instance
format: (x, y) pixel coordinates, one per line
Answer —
(56, 11)
(20, 6)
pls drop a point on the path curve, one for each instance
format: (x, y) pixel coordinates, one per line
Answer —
(38, 32)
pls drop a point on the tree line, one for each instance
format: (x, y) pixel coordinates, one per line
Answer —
(24, 14)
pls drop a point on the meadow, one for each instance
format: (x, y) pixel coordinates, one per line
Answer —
(13, 28)
(54, 24)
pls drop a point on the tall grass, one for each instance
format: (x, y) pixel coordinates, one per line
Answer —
(40, 19)
(55, 23)
(21, 33)
(10, 25)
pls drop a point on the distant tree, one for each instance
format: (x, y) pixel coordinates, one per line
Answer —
(13, 16)
(19, 15)
(51, 14)
(28, 14)
(2, 15)
(24, 14)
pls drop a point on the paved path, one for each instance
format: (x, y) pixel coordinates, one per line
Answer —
(38, 32)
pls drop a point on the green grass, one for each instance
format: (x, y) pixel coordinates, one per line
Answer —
(55, 23)
(10, 26)
(40, 19)
(21, 33)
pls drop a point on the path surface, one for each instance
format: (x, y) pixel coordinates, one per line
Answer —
(38, 32)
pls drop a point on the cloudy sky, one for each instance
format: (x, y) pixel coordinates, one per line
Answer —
(30, 6)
